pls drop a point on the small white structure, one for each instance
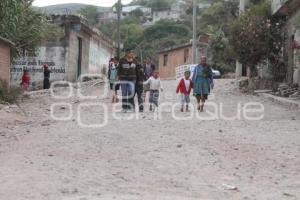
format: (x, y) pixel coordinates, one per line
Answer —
(173, 13)
(126, 10)
(107, 16)
(166, 15)
(204, 5)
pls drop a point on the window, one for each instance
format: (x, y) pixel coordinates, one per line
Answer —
(165, 59)
(186, 55)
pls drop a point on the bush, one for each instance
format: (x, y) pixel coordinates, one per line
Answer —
(9, 94)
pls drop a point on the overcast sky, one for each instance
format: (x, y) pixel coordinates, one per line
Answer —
(104, 3)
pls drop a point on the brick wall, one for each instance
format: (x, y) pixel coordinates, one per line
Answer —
(4, 61)
(175, 58)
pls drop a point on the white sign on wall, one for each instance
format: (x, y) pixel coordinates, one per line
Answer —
(54, 57)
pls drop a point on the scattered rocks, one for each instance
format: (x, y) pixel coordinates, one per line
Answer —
(288, 194)
(45, 124)
(230, 187)
(76, 102)
(13, 106)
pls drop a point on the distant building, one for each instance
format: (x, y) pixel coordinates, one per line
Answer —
(5, 46)
(127, 10)
(173, 13)
(204, 5)
(289, 10)
(166, 15)
(173, 57)
(79, 50)
(106, 16)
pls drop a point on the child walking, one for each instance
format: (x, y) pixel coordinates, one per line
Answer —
(112, 75)
(184, 87)
(25, 80)
(155, 86)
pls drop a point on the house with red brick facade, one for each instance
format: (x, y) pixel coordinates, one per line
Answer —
(173, 57)
(5, 46)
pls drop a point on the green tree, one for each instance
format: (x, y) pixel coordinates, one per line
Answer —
(22, 25)
(137, 13)
(257, 36)
(164, 29)
(90, 13)
(217, 21)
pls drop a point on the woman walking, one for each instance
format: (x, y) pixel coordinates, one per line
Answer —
(203, 82)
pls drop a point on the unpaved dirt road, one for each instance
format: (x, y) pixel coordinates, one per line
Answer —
(149, 157)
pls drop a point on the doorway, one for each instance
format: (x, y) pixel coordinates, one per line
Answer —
(79, 59)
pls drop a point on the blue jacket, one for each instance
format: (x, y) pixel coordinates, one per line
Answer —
(209, 74)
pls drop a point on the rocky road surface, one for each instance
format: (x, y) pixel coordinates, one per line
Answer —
(164, 155)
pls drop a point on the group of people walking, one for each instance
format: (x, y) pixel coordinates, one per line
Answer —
(135, 79)
(201, 82)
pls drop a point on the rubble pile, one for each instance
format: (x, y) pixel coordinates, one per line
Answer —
(284, 90)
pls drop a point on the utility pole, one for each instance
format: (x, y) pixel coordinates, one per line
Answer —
(119, 8)
(239, 66)
(194, 31)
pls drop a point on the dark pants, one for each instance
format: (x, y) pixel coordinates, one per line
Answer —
(154, 96)
(46, 83)
(128, 89)
(139, 93)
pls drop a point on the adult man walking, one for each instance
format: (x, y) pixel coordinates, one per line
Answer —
(127, 74)
(140, 86)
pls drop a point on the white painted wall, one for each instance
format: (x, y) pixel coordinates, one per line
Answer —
(99, 56)
(165, 15)
(53, 56)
